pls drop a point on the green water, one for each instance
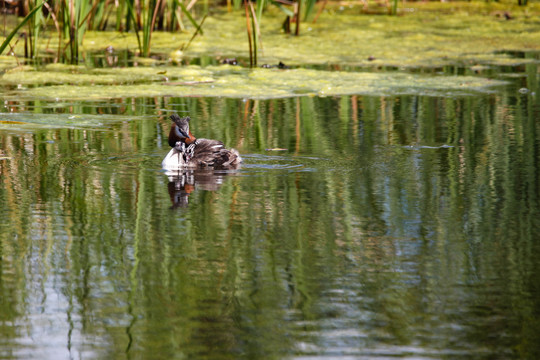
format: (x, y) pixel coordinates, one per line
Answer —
(399, 225)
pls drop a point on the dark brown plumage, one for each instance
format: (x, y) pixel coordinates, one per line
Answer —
(188, 151)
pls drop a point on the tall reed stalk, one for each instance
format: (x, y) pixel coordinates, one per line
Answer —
(253, 22)
(74, 25)
(150, 9)
(14, 32)
(32, 36)
(301, 11)
(250, 35)
(73, 18)
(393, 8)
(310, 8)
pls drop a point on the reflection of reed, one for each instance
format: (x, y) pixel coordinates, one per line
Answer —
(416, 221)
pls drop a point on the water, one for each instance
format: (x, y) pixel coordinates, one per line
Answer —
(391, 226)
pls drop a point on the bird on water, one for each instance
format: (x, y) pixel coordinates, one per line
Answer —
(188, 152)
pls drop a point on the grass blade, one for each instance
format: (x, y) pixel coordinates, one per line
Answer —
(310, 6)
(186, 12)
(195, 34)
(131, 13)
(298, 10)
(12, 34)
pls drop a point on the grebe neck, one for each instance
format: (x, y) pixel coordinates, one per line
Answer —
(191, 140)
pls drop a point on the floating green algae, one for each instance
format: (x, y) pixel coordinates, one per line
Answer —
(234, 82)
(28, 121)
(80, 75)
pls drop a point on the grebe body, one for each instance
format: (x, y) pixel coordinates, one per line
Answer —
(189, 152)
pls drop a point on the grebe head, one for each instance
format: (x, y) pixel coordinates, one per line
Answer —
(180, 130)
(182, 126)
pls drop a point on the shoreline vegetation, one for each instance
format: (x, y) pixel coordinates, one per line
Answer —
(344, 52)
(348, 33)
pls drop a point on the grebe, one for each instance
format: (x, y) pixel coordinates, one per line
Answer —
(189, 152)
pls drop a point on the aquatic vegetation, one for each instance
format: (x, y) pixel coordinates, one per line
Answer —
(463, 36)
(427, 34)
(145, 16)
(228, 81)
(29, 17)
(252, 32)
(72, 18)
(33, 122)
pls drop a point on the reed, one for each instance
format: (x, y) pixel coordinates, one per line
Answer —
(72, 18)
(14, 32)
(298, 7)
(74, 14)
(31, 37)
(186, 12)
(297, 11)
(197, 31)
(393, 7)
(145, 15)
(309, 8)
(150, 10)
(249, 35)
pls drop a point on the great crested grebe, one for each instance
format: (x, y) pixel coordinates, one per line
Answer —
(189, 152)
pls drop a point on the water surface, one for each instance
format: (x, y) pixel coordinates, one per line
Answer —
(390, 226)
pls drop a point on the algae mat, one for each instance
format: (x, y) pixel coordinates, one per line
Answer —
(79, 83)
(425, 34)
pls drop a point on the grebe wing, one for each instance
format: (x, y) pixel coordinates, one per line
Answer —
(213, 153)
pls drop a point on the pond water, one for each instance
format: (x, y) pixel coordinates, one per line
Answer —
(359, 226)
